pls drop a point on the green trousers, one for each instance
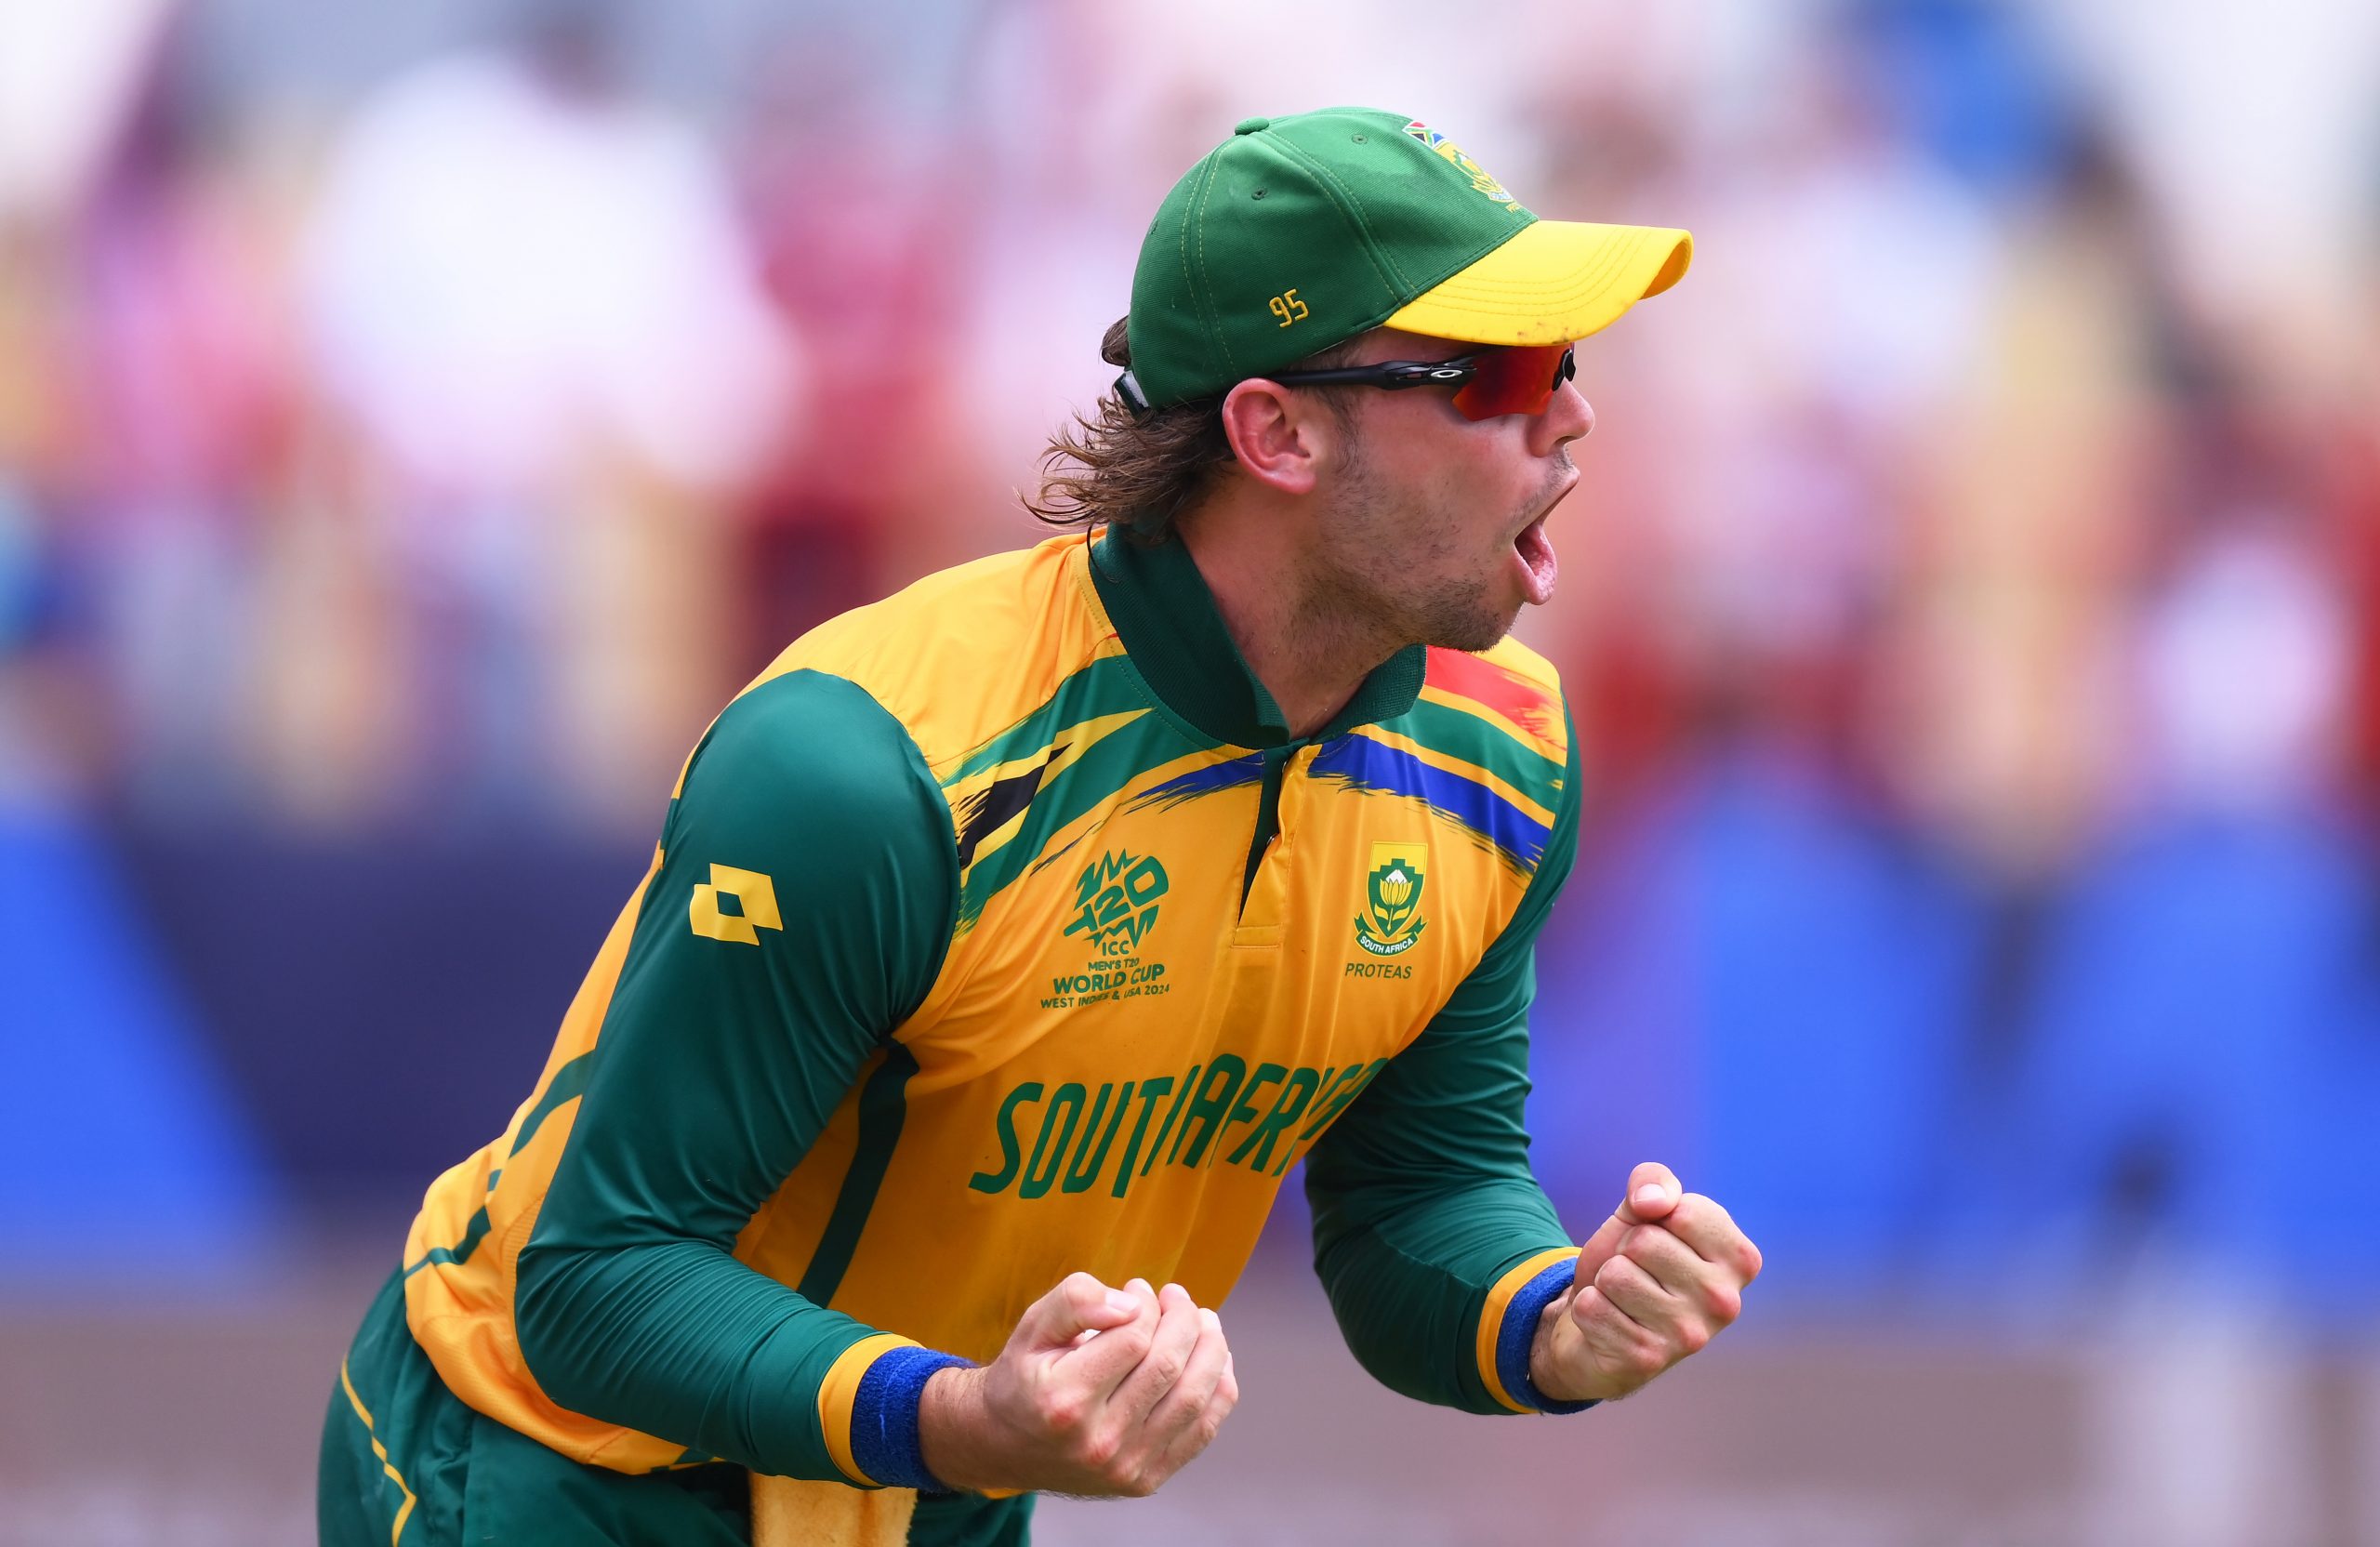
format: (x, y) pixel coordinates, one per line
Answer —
(406, 1463)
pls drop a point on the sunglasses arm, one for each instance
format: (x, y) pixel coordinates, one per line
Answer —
(1389, 374)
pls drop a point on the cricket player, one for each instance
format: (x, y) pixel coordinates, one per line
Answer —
(1009, 940)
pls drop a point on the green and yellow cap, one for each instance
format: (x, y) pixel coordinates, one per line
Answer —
(1298, 233)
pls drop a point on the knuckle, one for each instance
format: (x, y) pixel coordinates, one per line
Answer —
(1065, 1411)
(1723, 1301)
(1694, 1337)
(1166, 1367)
(1100, 1450)
(1749, 1260)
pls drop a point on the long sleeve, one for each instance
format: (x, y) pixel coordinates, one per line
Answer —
(1431, 1235)
(803, 903)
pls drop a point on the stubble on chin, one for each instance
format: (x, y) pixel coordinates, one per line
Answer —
(1473, 626)
(1398, 608)
(1469, 617)
(1373, 583)
(1467, 614)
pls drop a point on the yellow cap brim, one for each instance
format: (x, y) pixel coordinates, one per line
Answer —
(1553, 281)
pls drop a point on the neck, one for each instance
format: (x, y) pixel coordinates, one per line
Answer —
(1310, 648)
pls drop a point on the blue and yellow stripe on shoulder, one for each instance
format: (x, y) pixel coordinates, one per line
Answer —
(1485, 747)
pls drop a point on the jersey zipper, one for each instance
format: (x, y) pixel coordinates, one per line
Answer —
(1268, 816)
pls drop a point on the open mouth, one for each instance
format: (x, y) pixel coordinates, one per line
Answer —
(1534, 552)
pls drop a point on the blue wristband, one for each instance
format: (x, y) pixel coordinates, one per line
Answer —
(884, 1417)
(1515, 1339)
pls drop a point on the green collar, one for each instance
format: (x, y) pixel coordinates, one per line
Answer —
(1167, 618)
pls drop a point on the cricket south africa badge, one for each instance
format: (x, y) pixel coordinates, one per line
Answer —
(1392, 920)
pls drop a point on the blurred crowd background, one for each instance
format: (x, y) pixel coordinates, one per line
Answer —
(415, 420)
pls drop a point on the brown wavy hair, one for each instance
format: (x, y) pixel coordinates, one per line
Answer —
(1136, 474)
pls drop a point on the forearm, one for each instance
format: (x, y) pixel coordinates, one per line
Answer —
(721, 1057)
(1436, 1243)
(1430, 1284)
(679, 1340)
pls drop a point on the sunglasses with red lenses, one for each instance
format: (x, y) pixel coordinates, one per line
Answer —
(1520, 378)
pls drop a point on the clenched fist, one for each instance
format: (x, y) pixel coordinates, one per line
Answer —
(1664, 1275)
(1099, 1392)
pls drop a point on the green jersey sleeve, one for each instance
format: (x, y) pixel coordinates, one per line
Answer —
(816, 850)
(1431, 1235)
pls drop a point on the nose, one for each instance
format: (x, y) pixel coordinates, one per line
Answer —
(1567, 417)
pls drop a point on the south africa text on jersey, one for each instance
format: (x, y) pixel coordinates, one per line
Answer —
(1275, 1109)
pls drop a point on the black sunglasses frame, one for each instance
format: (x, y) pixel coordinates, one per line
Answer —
(1395, 376)
(1391, 376)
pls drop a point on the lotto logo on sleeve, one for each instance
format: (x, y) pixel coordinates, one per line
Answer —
(734, 904)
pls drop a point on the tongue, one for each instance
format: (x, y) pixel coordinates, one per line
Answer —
(1535, 553)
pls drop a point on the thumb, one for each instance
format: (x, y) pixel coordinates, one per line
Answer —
(1653, 1193)
(1080, 1303)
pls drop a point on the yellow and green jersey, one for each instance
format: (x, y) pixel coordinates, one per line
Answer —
(1000, 930)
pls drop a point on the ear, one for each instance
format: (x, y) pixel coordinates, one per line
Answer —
(1281, 438)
